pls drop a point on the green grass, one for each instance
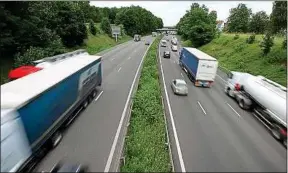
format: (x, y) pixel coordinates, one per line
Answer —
(145, 148)
(237, 55)
(100, 42)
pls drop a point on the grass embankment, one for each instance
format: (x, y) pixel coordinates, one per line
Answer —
(93, 45)
(145, 148)
(237, 55)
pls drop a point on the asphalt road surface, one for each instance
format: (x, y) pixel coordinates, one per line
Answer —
(212, 132)
(90, 138)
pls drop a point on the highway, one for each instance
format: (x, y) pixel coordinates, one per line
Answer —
(94, 136)
(208, 130)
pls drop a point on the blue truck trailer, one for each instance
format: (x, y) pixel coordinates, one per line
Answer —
(35, 109)
(199, 66)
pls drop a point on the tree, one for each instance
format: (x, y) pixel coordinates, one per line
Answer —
(105, 25)
(71, 24)
(198, 25)
(267, 43)
(137, 20)
(238, 19)
(259, 22)
(92, 27)
(279, 16)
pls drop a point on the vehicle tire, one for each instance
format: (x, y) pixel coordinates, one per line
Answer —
(241, 104)
(56, 139)
(275, 132)
(86, 103)
(284, 143)
(94, 93)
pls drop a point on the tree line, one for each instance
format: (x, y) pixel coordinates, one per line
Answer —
(35, 29)
(199, 26)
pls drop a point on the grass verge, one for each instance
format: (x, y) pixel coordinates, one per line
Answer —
(145, 148)
(237, 55)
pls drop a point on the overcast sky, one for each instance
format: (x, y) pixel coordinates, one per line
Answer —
(172, 11)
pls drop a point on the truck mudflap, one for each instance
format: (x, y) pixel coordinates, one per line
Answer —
(200, 83)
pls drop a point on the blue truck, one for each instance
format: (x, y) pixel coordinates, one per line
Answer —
(199, 66)
(36, 108)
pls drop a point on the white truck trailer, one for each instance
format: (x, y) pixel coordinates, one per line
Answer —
(266, 98)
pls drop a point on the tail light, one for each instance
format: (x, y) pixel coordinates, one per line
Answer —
(283, 132)
(237, 87)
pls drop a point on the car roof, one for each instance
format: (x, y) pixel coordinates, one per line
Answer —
(167, 51)
(180, 81)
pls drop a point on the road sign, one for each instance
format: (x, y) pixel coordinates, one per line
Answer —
(116, 31)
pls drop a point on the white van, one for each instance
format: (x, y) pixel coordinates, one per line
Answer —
(163, 43)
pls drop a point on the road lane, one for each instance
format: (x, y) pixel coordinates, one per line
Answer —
(89, 139)
(219, 140)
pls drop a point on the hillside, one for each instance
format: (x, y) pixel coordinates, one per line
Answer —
(93, 45)
(239, 56)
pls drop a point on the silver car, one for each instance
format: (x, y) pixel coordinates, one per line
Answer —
(179, 87)
(174, 47)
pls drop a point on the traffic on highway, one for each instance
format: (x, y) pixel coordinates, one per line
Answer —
(209, 131)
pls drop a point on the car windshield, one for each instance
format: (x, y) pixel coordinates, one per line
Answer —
(181, 85)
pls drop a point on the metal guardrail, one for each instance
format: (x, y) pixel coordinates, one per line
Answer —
(60, 57)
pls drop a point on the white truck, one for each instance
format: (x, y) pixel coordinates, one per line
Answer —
(200, 67)
(266, 98)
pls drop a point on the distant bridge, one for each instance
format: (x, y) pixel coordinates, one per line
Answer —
(166, 29)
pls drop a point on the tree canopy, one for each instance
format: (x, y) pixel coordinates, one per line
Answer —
(198, 25)
(238, 19)
(258, 22)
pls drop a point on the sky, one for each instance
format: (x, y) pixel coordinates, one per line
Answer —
(172, 11)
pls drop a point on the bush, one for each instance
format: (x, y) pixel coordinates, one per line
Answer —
(267, 43)
(250, 39)
(32, 54)
(236, 36)
(105, 25)
(92, 28)
(284, 43)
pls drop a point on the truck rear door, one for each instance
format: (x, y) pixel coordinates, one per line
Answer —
(206, 70)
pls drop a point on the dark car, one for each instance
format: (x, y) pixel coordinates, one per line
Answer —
(166, 54)
(69, 167)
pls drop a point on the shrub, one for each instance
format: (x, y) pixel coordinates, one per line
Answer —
(284, 43)
(251, 39)
(105, 25)
(266, 43)
(92, 27)
(32, 54)
(236, 36)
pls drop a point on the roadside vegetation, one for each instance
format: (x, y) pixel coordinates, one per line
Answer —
(254, 43)
(238, 55)
(145, 145)
(32, 30)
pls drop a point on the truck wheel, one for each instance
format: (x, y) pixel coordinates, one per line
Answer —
(285, 143)
(275, 132)
(56, 138)
(94, 93)
(241, 104)
(85, 104)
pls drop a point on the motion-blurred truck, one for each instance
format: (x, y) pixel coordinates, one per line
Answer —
(266, 98)
(200, 67)
(36, 108)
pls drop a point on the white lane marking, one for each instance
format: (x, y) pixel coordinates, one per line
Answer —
(111, 154)
(234, 110)
(261, 121)
(129, 57)
(182, 75)
(99, 95)
(201, 107)
(112, 59)
(172, 120)
(221, 78)
(119, 69)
